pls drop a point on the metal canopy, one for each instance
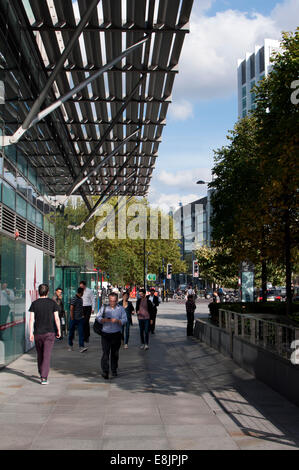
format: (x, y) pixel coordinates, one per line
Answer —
(79, 138)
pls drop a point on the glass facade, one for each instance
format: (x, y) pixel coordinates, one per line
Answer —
(12, 299)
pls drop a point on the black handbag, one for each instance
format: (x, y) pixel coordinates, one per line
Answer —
(98, 326)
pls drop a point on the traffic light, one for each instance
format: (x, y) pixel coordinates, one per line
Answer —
(169, 271)
(195, 269)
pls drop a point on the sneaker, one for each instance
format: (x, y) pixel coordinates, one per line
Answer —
(105, 376)
(81, 350)
(70, 348)
(126, 346)
(142, 346)
(146, 347)
(44, 382)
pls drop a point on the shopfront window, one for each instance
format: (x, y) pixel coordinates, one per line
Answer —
(12, 299)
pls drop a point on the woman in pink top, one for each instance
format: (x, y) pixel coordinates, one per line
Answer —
(144, 314)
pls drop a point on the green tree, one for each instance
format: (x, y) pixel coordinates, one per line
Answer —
(278, 142)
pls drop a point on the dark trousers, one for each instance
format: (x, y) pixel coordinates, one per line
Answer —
(125, 334)
(44, 345)
(111, 343)
(190, 323)
(72, 326)
(152, 325)
(86, 313)
(144, 331)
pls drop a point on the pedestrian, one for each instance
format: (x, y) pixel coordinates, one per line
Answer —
(190, 309)
(7, 297)
(144, 312)
(57, 297)
(113, 317)
(129, 308)
(43, 313)
(155, 304)
(77, 320)
(88, 309)
(216, 298)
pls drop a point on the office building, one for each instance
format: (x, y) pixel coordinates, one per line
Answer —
(251, 70)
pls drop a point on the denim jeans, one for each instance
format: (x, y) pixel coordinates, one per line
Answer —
(126, 332)
(144, 331)
(72, 327)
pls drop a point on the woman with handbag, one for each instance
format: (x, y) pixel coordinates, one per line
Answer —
(129, 308)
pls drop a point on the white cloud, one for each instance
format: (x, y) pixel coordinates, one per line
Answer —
(181, 110)
(208, 65)
(184, 179)
(167, 202)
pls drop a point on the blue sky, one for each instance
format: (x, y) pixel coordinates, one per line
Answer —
(205, 104)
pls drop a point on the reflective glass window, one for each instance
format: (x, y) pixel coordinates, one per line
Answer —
(22, 185)
(32, 196)
(11, 153)
(22, 164)
(46, 225)
(32, 175)
(13, 294)
(39, 220)
(8, 196)
(40, 204)
(52, 230)
(21, 206)
(31, 214)
(9, 173)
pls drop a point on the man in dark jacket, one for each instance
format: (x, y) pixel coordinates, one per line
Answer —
(155, 304)
(58, 299)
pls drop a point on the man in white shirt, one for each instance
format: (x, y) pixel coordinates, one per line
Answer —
(6, 297)
(88, 309)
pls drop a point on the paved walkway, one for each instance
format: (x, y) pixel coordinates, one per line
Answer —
(179, 395)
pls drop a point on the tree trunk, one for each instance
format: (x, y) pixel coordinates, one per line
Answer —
(288, 266)
(264, 280)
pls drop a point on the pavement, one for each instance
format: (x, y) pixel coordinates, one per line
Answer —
(178, 395)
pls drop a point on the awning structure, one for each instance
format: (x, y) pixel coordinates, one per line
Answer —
(104, 139)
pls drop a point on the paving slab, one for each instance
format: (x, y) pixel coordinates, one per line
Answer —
(179, 395)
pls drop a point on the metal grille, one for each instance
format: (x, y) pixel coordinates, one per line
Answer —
(10, 222)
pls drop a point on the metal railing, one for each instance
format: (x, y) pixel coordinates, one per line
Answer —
(271, 335)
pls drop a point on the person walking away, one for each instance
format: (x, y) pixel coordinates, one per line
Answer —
(88, 309)
(113, 317)
(77, 320)
(155, 304)
(144, 313)
(190, 309)
(43, 313)
(57, 297)
(129, 308)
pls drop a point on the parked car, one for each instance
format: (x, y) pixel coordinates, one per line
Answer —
(273, 295)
